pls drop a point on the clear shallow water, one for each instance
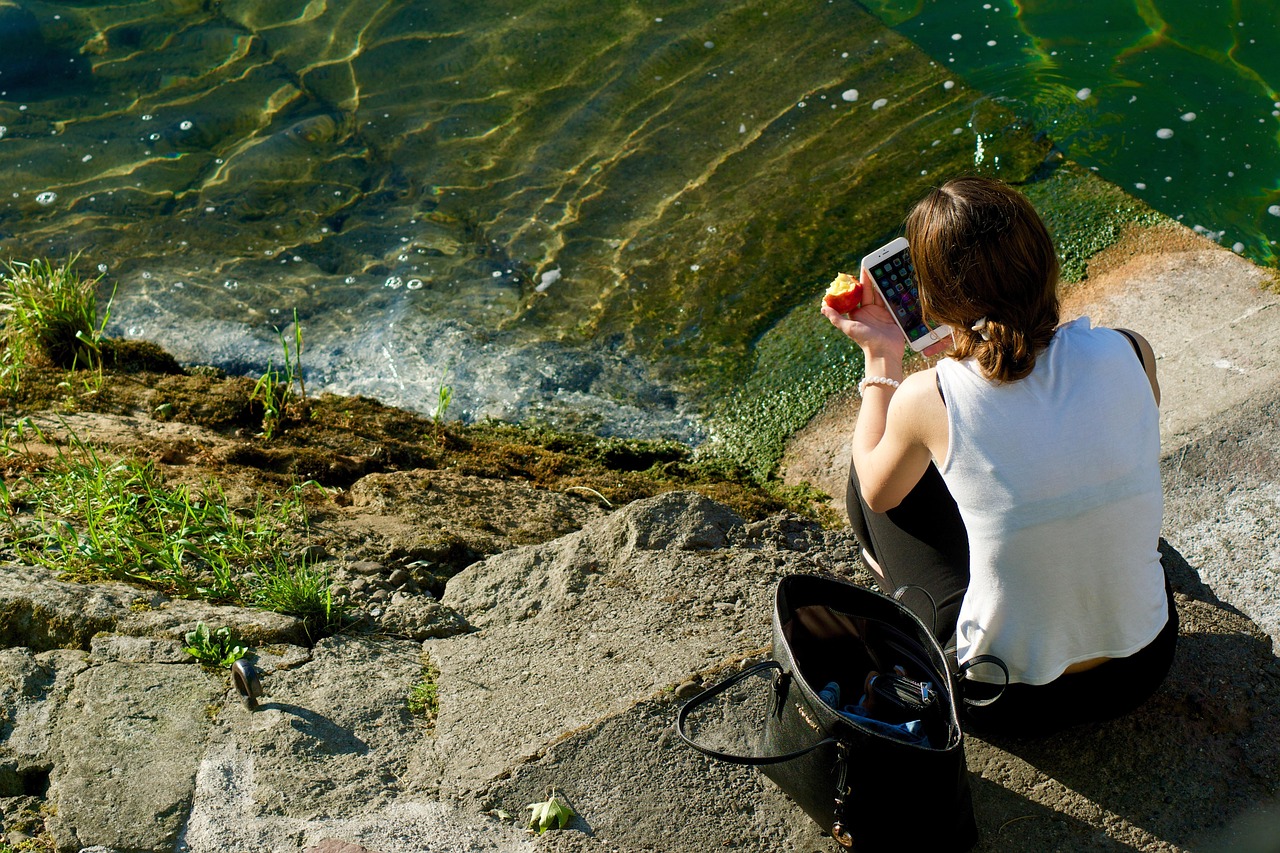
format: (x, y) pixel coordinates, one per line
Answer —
(599, 215)
(587, 213)
(1177, 101)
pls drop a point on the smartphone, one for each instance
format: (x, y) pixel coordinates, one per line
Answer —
(895, 278)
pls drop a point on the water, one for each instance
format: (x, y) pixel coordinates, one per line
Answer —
(608, 216)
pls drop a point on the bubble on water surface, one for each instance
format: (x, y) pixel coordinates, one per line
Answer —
(880, 102)
(991, 43)
(695, 267)
(1140, 185)
(849, 95)
(179, 285)
(1238, 248)
(185, 125)
(86, 158)
(413, 284)
(1165, 133)
(549, 278)
(231, 284)
(708, 44)
(47, 198)
(394, 282)
(742, 128)
(349, 280)
(102, 268)
(1084, 93)
(949, 85)
(956, 37)
(145, 275)
(3, 131)
(148, 117)
(1188, 116)
(1274, 210)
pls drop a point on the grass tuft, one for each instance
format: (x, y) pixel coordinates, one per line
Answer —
(94, 519)
(302, 591)
(50, 315)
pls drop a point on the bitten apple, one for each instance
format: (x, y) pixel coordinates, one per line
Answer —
(844, 294)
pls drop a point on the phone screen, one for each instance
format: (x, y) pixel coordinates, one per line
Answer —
(896, 279)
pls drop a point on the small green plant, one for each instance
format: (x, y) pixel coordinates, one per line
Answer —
(424, 699)
(275, 388)
(446, 397)
(50, 314)
(214, 648)
(554, 813)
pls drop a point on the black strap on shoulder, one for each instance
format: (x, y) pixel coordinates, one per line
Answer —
(1134, 343)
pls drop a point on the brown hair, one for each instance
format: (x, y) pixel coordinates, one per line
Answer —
(981, 250)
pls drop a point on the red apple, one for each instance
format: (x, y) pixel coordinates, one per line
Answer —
(844, 294)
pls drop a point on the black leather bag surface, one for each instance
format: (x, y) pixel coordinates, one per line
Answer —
(870, 789)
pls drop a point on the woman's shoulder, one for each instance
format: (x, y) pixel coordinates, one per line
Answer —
(922, 393)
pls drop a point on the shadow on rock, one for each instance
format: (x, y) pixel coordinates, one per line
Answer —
(336, 739)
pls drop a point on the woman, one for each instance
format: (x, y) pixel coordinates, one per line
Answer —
(1018, 481)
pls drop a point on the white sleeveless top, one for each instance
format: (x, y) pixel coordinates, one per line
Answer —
(1057, 477)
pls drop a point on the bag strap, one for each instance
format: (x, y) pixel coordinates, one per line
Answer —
(975, 661)
(781, 682)
(902, 590)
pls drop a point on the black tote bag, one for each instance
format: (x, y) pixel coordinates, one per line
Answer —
(870, 789)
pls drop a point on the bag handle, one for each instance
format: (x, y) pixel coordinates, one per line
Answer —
(780, 684)
(975, 661)
(900, 591)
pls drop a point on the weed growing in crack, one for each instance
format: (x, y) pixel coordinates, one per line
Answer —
(424, 698)
(218, 647)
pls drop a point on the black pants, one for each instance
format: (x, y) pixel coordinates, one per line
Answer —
(922, 543)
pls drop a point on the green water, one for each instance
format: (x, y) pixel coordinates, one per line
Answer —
(1176, 101)
(615, 217)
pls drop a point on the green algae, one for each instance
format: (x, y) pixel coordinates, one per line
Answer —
(802, 362)
(1085, 215)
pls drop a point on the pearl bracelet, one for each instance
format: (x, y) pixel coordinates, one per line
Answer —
(876, 380)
